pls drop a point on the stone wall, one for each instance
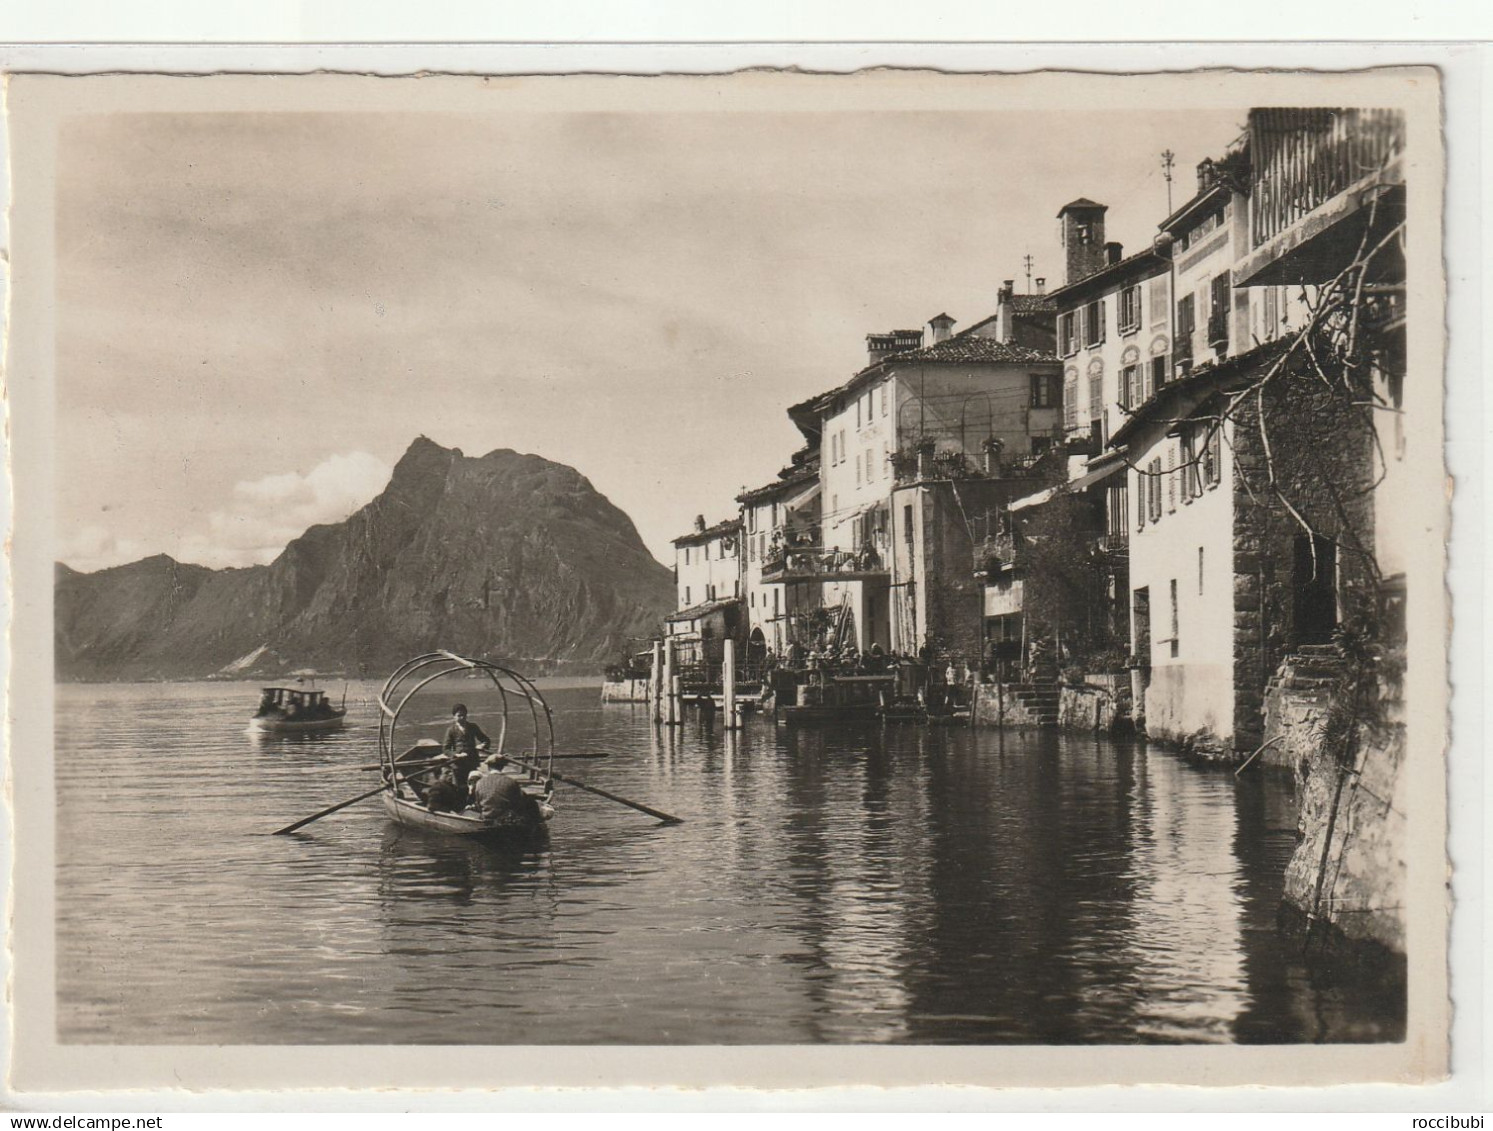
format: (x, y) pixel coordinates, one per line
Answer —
(1348, 870)
(1101, 705)
(955, 599)
(1321, 454)
(625, 691)
(1010, 705)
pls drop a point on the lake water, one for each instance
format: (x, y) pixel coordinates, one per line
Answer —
(850, 885)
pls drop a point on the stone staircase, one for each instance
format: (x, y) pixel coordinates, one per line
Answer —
(1038, 700)
(1310, 669)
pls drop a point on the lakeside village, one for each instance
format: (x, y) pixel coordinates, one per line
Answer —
(1143, 501)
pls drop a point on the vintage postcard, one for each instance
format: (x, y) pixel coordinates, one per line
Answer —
(763, 579)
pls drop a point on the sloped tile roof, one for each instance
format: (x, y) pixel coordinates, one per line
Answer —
(1082, 202)
(965, 348)
(968, 348)
(787, 480)
(730, 526)
(700, 610)
(1033, 304)
(1176, 400)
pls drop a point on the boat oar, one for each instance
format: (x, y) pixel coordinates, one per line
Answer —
(403, 765)
(333, 808)
(666, 818)
(328, 811)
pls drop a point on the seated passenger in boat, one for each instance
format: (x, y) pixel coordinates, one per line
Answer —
(495, 794)
(465, 742)
(439, 791)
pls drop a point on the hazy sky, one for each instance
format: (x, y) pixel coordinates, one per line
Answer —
(257, 313)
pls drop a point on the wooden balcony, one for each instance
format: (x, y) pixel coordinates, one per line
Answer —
(814, 563)
(1318, 178)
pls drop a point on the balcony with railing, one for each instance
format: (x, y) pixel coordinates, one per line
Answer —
(1317, 177)
(1218, 330)
(922, 463)
(1383, 308)
(1181, 355)
(999, 552)
(813, 563)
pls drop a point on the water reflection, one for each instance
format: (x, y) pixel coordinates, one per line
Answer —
(1187, 885)
(849, 885)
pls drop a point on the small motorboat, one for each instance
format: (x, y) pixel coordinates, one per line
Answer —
(296, 710)
(407, 798)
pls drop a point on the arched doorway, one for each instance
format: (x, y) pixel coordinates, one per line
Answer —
(756, 649)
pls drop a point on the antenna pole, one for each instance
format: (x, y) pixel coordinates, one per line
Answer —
(1167, 160)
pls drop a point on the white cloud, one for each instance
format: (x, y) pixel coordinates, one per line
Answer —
(268, 512)
(262, 516)
(90, 548)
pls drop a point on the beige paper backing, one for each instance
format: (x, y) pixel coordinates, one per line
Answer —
(36, 106)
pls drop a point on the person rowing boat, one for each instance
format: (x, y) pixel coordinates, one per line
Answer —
(466, 742)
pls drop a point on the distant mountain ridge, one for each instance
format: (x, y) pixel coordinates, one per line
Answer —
(508, 556)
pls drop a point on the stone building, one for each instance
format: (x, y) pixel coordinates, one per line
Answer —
(909, 451)
(707, 574)
(1327, 216)
(777, 518)
(1253, 474)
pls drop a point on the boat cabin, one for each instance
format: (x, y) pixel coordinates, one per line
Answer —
(293, 701)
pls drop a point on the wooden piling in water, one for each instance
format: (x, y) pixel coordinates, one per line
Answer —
(728, 685)
(670, 686)
(656, 683)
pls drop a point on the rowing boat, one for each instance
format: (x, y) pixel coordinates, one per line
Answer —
(407, 798)
(422, 787)
(409, 812)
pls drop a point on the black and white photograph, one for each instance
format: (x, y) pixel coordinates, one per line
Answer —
(825, 566)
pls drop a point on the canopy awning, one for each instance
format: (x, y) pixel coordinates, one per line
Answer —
(803, 498)
(1095, 475)
(1029, 501)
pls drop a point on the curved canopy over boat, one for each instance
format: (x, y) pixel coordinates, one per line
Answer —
(524, 711)
(406, 787)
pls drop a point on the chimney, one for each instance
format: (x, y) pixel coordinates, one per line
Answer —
(1083, 238)
(941, 325)
(1041, 285)
(879, 346)
(1113, 253)
(1005, 312)
(699, 524)
(1207, 175)
(993, 448)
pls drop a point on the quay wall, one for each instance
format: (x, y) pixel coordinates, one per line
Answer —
(625, 691)
(1348, 870)
(999, 705)
(1101, 705)
(1190, 705)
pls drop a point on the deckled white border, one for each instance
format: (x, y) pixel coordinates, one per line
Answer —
(1464, 362)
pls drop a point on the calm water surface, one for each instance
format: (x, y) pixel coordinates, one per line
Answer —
(856, 885)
